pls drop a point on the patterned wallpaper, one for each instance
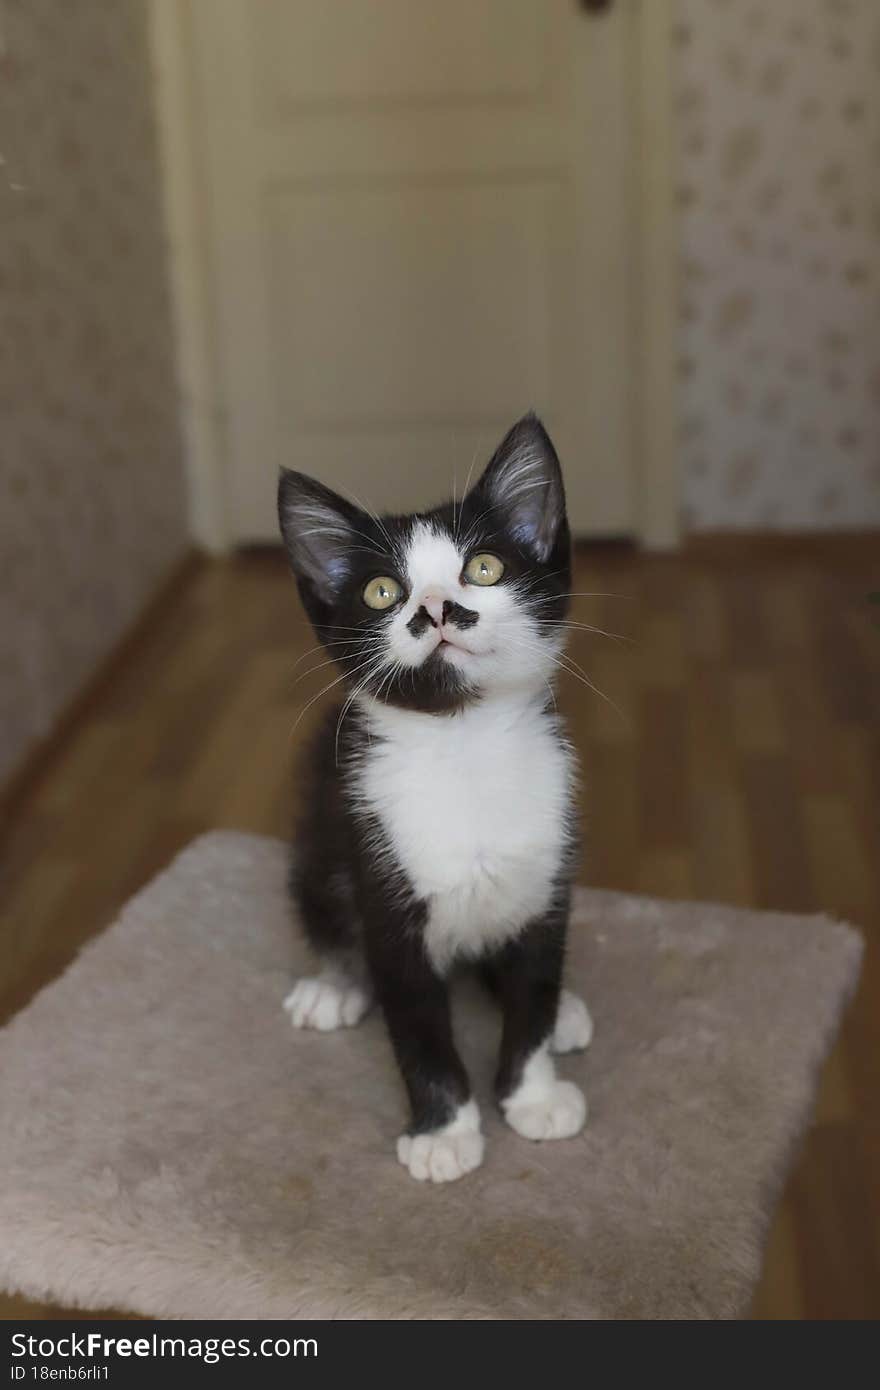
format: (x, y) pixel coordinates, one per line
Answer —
(92, 508)
(779, 128)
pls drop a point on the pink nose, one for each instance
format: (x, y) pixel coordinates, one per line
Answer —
(434, 603)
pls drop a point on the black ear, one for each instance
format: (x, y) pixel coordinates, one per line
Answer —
(524, 481)
(320, 530)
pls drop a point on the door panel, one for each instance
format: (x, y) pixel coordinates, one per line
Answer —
(357, 52)
(374, 270)
(419, 230)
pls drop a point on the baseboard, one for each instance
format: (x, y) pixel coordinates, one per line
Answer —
(23, 778)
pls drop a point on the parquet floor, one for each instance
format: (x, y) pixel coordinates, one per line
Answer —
(742, 762)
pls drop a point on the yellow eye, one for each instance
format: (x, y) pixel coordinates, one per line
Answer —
(483, 569)
(382, 592)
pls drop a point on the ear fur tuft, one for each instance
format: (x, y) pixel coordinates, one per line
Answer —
(524, 481)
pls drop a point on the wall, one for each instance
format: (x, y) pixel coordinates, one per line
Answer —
(778, 108)
(92, 507)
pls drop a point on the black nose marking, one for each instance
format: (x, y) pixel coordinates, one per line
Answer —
(454, 613)
(458, 615)
(420, 621)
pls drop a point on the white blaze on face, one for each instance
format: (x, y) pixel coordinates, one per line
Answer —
(433, 564)
(505, 648)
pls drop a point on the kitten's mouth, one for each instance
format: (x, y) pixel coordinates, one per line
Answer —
(445, 644)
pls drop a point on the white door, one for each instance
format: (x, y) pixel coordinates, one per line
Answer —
(419, 228)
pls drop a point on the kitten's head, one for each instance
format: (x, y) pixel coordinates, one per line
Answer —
(434, 611)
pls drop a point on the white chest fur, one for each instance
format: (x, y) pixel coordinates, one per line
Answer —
(474, 808)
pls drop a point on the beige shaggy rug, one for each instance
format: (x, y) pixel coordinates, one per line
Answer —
(170, 1145)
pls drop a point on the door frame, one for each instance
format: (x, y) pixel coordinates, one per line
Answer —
(653, 253)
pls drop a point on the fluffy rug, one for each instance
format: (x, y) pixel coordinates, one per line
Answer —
(170, 1145)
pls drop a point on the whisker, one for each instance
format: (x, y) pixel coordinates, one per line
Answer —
(361, 685)
(474, 524)
(320, 666)
(398, 665)
(566, 663)
(582, 627)
(467, 483)
(346, 675)
(393, 549)
(552, 695)
(351, 627)
(322, 646)
(538, 579)
(370, 548)
(554, 598)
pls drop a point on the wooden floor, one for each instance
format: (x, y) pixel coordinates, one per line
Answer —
(742, 763)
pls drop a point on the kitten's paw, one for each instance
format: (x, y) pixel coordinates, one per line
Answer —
(321, 1004)
(440, 1157)
(447, 1153)
(558, 1114)
(574, 1027)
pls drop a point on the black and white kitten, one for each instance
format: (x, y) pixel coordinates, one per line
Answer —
(437, 827)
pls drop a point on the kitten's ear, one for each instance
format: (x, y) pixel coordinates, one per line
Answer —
(319, 529)
(524, 481)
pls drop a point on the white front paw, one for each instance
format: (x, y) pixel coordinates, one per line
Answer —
(447, 1153)
(574, 1027)
(557, 1114)
(440, 1157)
(322, 1004)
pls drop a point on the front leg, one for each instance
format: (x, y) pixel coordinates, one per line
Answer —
(526, 976)
(443, 1141)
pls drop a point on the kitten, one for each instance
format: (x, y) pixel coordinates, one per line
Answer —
(438, 822)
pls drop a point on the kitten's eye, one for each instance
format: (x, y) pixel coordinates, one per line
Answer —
(483, 569)
(383, 592)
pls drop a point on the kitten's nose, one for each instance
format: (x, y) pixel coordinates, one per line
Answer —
(436, 607)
